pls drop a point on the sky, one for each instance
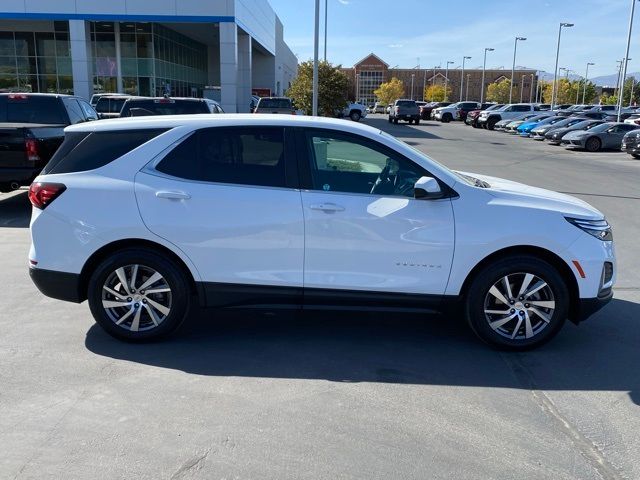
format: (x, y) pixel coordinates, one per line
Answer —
(401, 31)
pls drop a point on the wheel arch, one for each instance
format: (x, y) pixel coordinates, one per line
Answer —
(99, 255)
(554, 260)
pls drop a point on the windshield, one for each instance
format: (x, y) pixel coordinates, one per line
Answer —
(602, 127)
(110, 105)
(494, 108)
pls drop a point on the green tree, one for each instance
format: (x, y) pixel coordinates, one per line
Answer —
(499, 91)
(390, 91)
(629, 85)
(590, 92)
(435, 93)
(607, 99)
(332, 88)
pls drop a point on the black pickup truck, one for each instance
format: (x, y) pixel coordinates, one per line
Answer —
(31, 130)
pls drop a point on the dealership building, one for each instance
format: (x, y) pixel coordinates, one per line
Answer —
(367, 75)
(225, 49)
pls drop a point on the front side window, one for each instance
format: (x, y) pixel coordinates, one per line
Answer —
(237, 155)
(74, 111)
(345, 163)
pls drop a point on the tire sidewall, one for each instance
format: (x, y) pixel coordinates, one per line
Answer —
(175, 277)
(592, 141)
(479, 287)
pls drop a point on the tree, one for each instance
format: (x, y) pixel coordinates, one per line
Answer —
(332, 88)
(390, 91)
(499, 92)
(435, 93)
(626, 97)
(607, 99)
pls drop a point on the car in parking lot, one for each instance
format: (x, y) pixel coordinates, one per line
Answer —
(379, 107)
(472, 116)
(555, 137)
(404, 109)
(631, 143)
(355, 111)
(512, 127)
(540, 131)
(426, 110)
(109, 106)
(633, 119)
(148, 106)
(316, 212)
(607, 135)
(511, 111)
(455, 111)
(525, 129)
(275, 105)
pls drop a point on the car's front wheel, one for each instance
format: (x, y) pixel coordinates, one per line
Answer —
(593, 144)
(138, 295)
(355, 116)
(517, 303)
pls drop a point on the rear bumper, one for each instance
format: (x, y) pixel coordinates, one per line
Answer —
(60, 285)
(24, 176)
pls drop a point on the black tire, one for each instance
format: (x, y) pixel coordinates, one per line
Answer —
(5, 187)
(355, 116)
(447, 117)
(395, 121)
(593, 144)
(516, 266)
(390, 120)
(635, 155)
(417, 121)
(175, 278)
(491, 123)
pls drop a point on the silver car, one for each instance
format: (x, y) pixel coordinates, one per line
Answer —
(607, 135)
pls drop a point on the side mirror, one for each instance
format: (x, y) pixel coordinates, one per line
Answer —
(427, 188)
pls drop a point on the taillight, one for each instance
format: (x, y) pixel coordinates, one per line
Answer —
(31, 147)
(42, 194)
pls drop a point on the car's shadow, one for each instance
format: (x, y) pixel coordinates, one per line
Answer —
(601, 354)
(15, 210)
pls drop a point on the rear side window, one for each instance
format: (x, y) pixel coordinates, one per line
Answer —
(74, 110)
(243, 155)
(35, 109)
(274, 103)
(521, 108)
(97, 149)
(164, 107)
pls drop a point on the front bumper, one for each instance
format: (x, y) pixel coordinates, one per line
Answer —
(588, 306)
(631, 148)
(60, 285)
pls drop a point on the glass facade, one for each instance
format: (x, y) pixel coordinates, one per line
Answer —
(36, 61)
(154, 60)
(368, 81)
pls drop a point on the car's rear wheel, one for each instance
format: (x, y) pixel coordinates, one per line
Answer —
(593, 144)
(355, 116)
(517, 303)
(491, 123)
(139, 295)
(635, 155)
(417, 121)
(447, 117)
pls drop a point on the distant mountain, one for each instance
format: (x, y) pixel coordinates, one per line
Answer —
(603, 80)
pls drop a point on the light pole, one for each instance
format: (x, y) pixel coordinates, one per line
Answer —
(424, 84)
(446, 79)
(521, 87)
(555, 73)
(314, 87)
(357, 87)
(326, 6)
(466, 91)
(462, 76)
(621, 80)
(484, 66)
(626, 58)
(513, 66)
(531, 89)
(586, 77)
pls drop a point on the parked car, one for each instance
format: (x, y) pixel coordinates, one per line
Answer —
(539, 132)
(489, 119)
(456, 111)
(595, 115)
(145, 106)
(472, 116)
(608, 135)
(404, 109)
(512, 127)
(633, 119)
(355, 111)
(379, 107)
(109, 106)
(508, 124)
(555, 137)
(253, 102)
(97, 96)
(525, 129)
(426, 110)
(543, 106)
(388, 110)
(275, 105)
(144, 243)
(631, 143)
(31, 130)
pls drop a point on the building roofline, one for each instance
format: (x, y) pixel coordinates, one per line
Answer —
(370, 55)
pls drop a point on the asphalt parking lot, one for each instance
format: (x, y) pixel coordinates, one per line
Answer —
(326, 395)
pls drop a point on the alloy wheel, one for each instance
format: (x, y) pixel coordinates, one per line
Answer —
(519, 306)
(136, 298)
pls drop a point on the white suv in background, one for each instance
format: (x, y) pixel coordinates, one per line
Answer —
(144, 216)
(489, 118)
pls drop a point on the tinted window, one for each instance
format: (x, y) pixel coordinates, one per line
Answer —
(627, 127)
(35, 109)
(88, 110)
(164, 107)
(98, 149)
(110, 105)
(245, 156)
(406, 103)
(71, 140)
(74, 111)
(521, 108)
(274, 103)
(344, 163)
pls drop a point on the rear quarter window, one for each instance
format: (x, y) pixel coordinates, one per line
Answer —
(80, 153)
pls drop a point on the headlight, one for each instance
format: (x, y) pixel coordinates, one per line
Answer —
(596, 228)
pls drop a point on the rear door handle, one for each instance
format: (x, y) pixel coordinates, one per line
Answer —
(327, 207)
(173, 195)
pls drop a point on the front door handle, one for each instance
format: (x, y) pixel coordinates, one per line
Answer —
(327, 207)
(173, 195)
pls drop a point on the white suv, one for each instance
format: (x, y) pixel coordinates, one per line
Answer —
(489, 118)
(144, 216)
